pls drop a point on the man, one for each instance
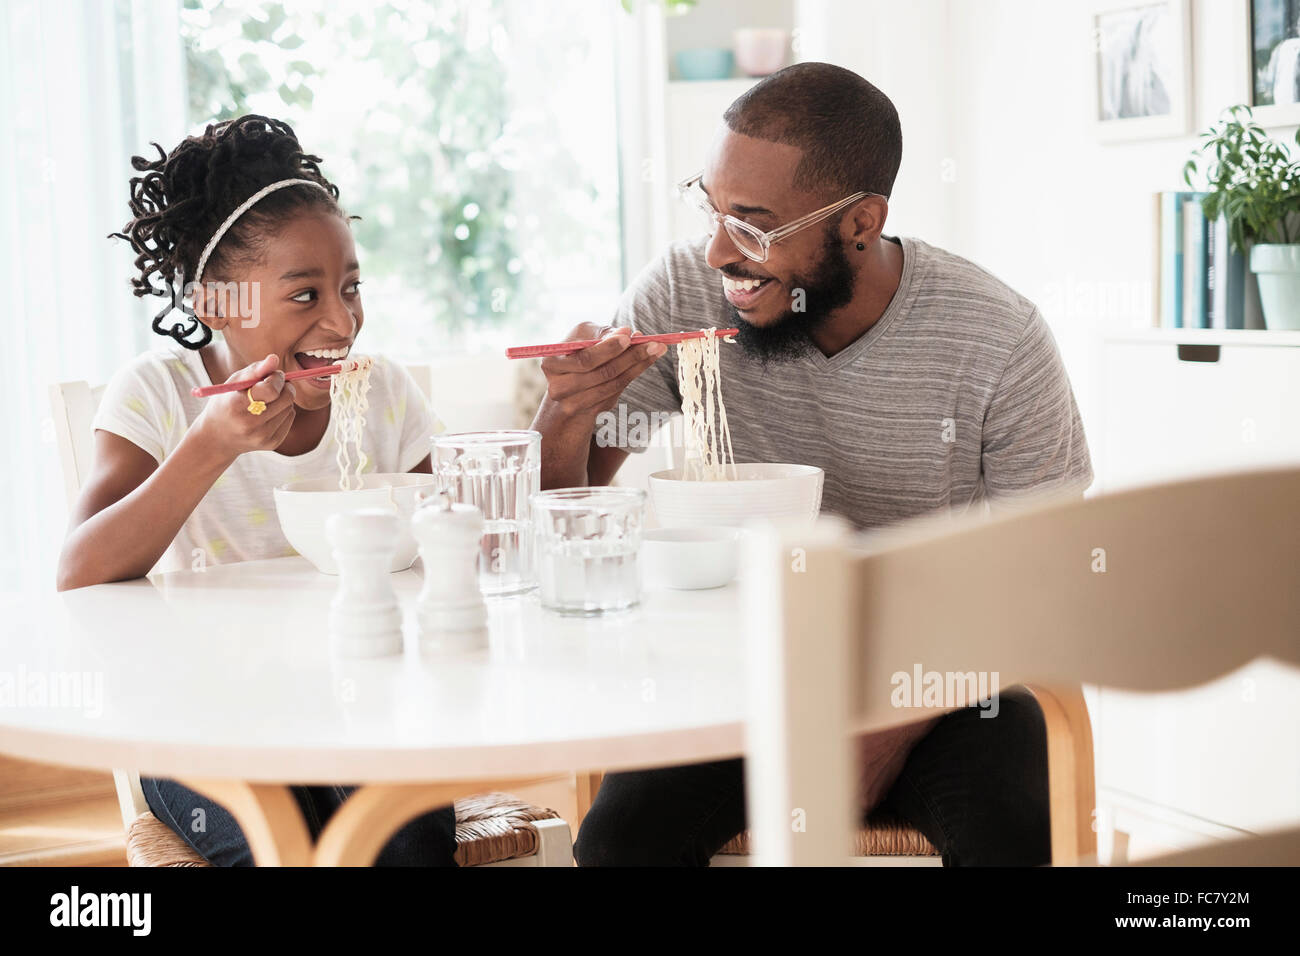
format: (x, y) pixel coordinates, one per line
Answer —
(915, 379)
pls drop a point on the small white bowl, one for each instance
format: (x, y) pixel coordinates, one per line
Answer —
(689, 559)
(759, 491)
(304, 506)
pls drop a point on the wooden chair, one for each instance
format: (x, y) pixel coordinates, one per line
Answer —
(1152, 589)
(491, 829)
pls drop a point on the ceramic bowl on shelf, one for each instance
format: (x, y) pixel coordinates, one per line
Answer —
(303, 507)
(760, 51)
(706, 63)
(767, 490)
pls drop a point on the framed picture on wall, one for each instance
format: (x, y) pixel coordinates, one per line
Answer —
(1273, 53)
(1141, 52)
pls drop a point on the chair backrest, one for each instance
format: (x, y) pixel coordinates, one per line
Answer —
(423, 375)
(1278, 848)
(73, 405)
(1151, 589)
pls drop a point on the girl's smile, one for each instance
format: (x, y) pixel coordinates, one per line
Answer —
(317, 358)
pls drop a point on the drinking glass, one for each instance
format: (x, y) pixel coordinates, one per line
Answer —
(587, 540)
(497, 472)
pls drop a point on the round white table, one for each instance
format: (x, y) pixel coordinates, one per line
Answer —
(224, 679)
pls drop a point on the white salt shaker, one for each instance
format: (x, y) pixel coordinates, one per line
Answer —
(365, 619)
(451, 610)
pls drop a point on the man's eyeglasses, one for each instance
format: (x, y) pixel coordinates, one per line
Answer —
(751, 241)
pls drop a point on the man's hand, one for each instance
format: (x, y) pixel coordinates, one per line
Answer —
(586, 383)
(578, 388)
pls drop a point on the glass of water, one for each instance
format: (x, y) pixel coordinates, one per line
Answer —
(497, 472)
(587, 540)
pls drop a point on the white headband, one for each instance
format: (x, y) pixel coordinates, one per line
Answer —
(239, 211)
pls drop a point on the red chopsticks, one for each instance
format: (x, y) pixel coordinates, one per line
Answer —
(206, 391)
(565, 348)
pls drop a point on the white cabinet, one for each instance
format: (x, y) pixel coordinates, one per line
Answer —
(1166, 416)
(1208, 763)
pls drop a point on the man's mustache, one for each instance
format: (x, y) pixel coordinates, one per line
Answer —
(731, 272)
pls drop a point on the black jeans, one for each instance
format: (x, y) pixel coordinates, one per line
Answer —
(428, 840)
(975, 786)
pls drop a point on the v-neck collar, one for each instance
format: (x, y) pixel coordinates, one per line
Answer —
(898, 306)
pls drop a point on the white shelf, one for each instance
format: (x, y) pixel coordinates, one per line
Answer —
(1268, 337)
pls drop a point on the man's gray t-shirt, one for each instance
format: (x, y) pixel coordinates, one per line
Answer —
(955, 395)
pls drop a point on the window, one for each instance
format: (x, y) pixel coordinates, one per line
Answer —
(475, 138)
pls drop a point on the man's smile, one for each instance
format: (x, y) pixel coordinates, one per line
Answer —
(744, 293)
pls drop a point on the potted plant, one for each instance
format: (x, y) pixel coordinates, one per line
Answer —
(1254, 183)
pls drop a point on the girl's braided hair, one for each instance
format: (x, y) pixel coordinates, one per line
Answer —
(183, 198)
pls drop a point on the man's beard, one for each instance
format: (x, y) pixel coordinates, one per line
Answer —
(789, 337)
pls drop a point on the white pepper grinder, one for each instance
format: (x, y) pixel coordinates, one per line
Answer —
(365, 619)
(451, 610)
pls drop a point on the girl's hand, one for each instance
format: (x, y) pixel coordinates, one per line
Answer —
(228, 426)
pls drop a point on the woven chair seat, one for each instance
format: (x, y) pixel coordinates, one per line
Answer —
(490, 827)
(883, 835)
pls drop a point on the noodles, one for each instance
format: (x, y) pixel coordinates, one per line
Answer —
(707, 439)
(348, 404)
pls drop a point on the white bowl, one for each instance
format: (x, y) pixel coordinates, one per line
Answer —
(688, 559)
(759, 491)
(304, 506)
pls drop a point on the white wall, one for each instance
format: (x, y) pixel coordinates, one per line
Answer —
(999, 161)
(1041, 203)
(904, 49)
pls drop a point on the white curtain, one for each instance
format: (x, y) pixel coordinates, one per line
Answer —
(83, 86)
(646, 192)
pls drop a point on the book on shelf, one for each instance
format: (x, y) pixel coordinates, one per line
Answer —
(1200, 279)
(1225, 280)
(1213, 317)
(1193, 220)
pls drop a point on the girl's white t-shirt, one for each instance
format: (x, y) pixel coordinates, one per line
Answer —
(148, 402)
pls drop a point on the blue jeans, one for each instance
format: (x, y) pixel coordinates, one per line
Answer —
(428, 840)
(975, 786)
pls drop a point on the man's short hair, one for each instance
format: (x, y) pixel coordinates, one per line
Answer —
(848, 129)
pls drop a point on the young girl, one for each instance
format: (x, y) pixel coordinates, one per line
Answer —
(242, 222)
